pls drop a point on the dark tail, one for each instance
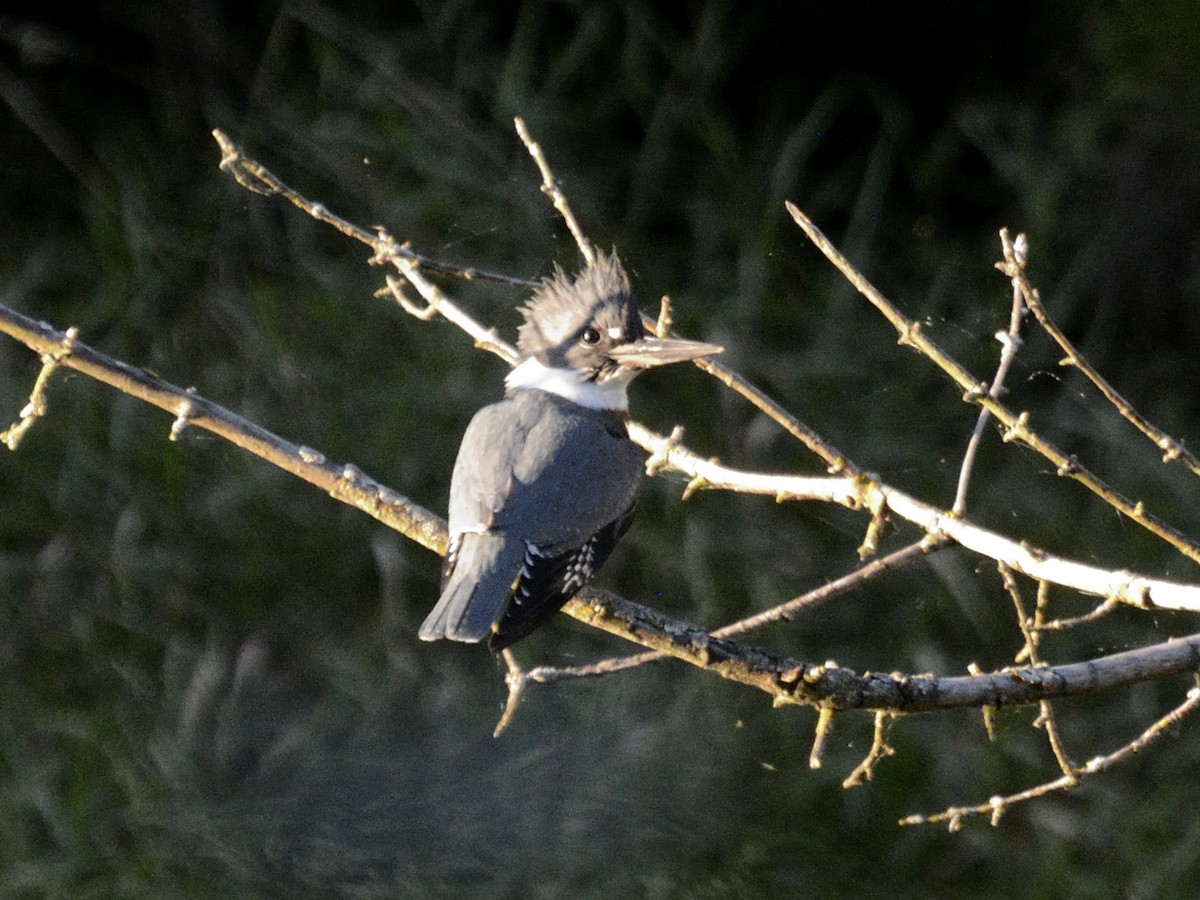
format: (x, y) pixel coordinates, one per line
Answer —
(476, 586)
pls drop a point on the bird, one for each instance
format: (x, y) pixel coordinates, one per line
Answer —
(547, 479)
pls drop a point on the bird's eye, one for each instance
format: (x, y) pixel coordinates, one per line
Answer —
(591, 336)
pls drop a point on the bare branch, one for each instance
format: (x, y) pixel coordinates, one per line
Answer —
(257, 178)
(852, 489)
(880, 749)
(551, 189)
(1172, 449)
(862, 492)
(342, 482)
(998, 805)
(974, 391)
(1010, 343)
(12, 436)
(786, 680)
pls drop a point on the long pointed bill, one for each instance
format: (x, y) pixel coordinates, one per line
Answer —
(652, 351)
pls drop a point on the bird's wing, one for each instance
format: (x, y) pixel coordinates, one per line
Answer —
(572, 477)
(546, 582)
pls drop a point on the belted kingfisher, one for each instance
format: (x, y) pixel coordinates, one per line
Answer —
(546, 480)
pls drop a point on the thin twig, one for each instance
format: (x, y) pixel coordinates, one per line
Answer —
(12, 436)
(1029, 652)
(515, 679)
(880, 749)
(821, 731)
(1016, 426)
(788, 611)
(836, 462)
(998, 805)
(257, 178)
(1172, 449)
(1010, 343)
(1109, 606)
(551, 188)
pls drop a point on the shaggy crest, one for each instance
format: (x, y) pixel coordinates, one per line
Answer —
(562, 308)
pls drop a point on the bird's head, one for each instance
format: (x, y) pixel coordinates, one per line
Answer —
(590, 326)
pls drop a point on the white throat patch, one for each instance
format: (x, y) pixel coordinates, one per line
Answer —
(566, 383)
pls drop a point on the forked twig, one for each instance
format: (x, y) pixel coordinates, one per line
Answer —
(826, 686)
(1016, 425)
(1172, 449)
(1029, 653)
(12, 436)
(998, 805)
(880, 750)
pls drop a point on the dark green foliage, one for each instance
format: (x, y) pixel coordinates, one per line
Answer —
(209, 682)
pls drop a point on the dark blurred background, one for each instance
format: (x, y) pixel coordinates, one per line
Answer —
(209, 680)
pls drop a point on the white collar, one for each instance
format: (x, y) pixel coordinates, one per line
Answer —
(567, 383)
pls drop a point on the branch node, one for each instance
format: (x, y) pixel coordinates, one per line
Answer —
(910, 335)
(880, 748)
(660, 459)
(1069, 467)
(396, 289)
(1021, 249)
(877, 504)
(1010, 340)
(999, 807)
(183, 415)
(1018, 431)
(1172, 449)
(979, 390)
(311, 456)
(697, 483)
